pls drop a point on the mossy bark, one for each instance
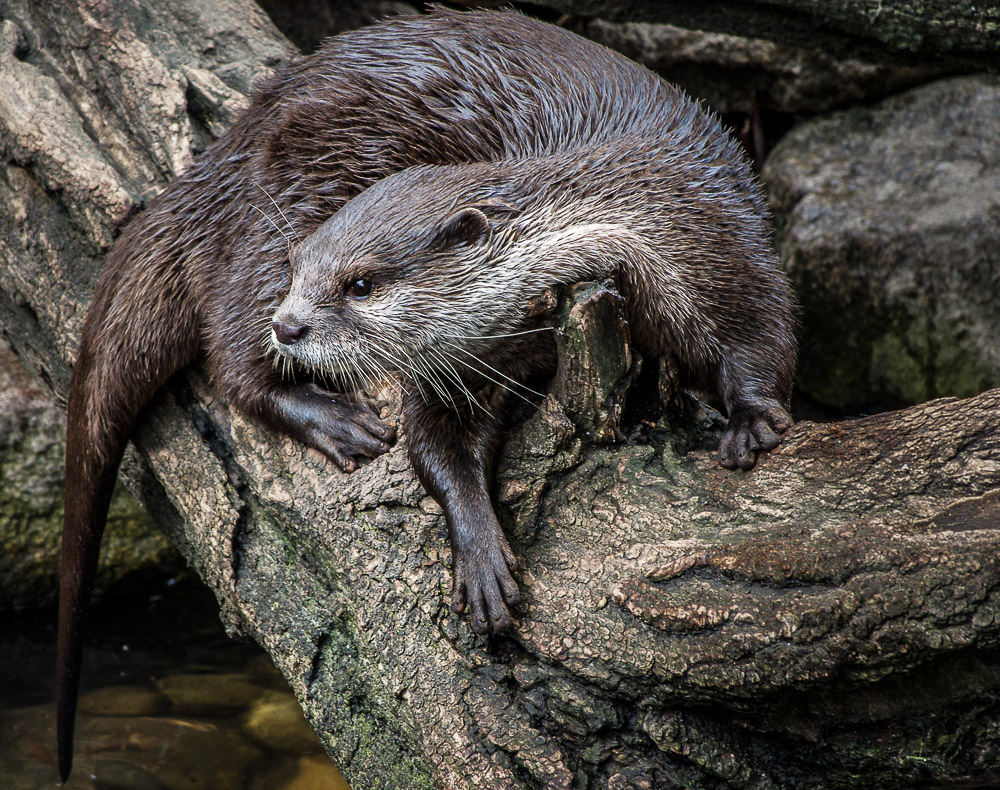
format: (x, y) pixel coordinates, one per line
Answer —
(830, 619)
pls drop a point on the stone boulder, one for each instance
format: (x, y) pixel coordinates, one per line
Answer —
(888, 221)
(730, 71)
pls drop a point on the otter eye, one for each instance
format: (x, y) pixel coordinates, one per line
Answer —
(358, 289)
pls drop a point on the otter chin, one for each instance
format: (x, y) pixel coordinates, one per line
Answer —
(429, 177)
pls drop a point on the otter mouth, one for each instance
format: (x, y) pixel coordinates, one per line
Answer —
(301, 354)
(299, 351)
(293, 346)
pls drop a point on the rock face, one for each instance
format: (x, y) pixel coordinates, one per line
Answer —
(889, 223)
(165, 749)
(961, 32)
(307, 22)
(727, 70)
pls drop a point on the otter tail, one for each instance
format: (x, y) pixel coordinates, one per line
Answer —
(130, 347)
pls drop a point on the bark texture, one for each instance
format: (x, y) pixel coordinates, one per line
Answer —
(830, 619)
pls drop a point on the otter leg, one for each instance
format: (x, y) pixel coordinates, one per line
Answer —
(454, 456)
(734, 337)
(754, 379)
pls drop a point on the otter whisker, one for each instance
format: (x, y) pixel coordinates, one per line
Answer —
(499, 373)
(470, 396)
(261, 211)
(420, 372)
(358, 383)
(348, 375)
(383, 375)
(496, 381)
(449, 370)
(453, 375)
(368, 360)
(366, 374)
(406, 367)
(443, 393)
(497, 337)
(330, 379)
(265, 336)
(282, 213)
(356, 378)
(393, 380)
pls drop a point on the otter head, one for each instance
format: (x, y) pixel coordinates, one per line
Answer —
(398, 280)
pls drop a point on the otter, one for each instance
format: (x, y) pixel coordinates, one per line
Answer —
(391, 203)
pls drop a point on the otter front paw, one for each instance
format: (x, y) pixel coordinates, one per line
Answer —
(751, 430)
(481, 583)
(341, 426)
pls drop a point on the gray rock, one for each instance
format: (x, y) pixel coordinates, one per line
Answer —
(889, 223)
(168, 753)
(726, 69)
(32, 443)
(308, 22)
(119, 752)
(962, 32)
(314, 772)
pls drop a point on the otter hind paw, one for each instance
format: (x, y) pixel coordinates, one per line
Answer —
(751, 430)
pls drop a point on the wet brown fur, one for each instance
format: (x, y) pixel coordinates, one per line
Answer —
(526, 116)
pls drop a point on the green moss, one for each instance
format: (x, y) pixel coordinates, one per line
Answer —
(30, 529)
(897, 371)
(857, 355)
(365, 731)
(959, 373)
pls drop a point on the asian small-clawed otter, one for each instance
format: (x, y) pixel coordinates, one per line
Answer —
(433, 174)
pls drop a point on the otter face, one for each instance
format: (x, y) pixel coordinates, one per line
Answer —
(376, 291)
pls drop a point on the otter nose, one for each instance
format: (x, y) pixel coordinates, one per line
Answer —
(288, 333)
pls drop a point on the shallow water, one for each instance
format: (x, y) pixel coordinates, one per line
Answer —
(168, 701)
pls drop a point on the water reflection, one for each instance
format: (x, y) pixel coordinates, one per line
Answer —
(168, 701)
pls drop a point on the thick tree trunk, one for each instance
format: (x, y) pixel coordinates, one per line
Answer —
(826, 620)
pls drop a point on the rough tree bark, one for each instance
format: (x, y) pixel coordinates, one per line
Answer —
(830, 619)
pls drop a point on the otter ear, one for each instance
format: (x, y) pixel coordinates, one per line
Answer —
(465, 226)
